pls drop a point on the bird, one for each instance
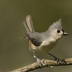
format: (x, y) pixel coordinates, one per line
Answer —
(44, 41)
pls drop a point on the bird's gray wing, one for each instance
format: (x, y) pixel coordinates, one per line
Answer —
(34, 38)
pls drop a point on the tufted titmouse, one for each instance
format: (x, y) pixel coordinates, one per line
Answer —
(44, 41)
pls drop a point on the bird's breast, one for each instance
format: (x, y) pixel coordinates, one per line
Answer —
(48, 47)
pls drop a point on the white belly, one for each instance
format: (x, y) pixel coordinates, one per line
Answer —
(47, 48)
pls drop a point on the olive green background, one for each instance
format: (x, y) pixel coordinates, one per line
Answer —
(14, 53)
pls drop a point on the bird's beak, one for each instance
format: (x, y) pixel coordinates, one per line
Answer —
(64, 33)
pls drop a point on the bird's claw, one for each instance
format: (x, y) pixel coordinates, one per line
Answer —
(39, 62)
(58, 60)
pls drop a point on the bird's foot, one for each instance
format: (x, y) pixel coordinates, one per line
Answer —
(60, 61)
(57, 59)
(39, 61)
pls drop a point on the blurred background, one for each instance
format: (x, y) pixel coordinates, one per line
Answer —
(14, 53)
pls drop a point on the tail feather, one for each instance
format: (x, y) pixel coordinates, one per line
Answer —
(29, 23)
(26, 26)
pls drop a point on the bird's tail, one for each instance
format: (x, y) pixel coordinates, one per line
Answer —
(28, 24)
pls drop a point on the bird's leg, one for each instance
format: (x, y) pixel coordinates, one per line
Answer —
(38, 60)
(57, 59)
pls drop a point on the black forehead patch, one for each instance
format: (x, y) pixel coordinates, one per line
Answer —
(62, 30)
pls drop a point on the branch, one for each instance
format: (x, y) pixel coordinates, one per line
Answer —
(45, 63)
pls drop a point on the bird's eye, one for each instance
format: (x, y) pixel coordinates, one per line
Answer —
(58, 31)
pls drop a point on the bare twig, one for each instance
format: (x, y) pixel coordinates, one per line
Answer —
(45, 63)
